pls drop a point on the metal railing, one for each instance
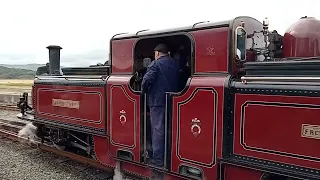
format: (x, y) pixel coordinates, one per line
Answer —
(73, 78)
(281, 80)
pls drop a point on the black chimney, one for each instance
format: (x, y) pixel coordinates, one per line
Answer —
(54, 59)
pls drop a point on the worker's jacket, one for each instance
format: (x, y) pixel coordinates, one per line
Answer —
(162, 76)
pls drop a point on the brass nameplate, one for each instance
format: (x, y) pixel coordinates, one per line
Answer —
(310, 131)
(66, 103)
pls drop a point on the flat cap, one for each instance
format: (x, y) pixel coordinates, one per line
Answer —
(162, 48)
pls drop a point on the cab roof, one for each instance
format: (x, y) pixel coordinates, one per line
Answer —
(195, 26)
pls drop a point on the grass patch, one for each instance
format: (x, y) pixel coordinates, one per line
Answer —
(15, 83)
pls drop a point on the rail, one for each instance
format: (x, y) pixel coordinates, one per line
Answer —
(10, 129)
(9, 107)
(73, 78)
(13, 136)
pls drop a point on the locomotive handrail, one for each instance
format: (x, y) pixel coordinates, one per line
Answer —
(283, 83)
(195, 24)
(145, 128)
(173, 93)
(246, 80)
(114, 36)
(141, 31)
(79, 78)
(166, 134)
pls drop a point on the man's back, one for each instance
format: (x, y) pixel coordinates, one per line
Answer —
(162, 76)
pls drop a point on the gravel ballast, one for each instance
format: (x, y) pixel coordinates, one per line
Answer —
(22, 162)
(9, 115)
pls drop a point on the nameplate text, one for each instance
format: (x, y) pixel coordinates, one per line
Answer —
(66, 103)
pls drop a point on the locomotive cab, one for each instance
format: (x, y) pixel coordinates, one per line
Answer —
(207, 51)
(180, 49)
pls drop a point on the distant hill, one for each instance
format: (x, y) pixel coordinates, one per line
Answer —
(32, 67)
(19, 71)
(16, 73)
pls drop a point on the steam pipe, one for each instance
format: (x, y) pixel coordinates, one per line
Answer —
(54, 59)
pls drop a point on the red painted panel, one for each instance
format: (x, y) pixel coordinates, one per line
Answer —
(124, 135)
(45, 105)
(123, 129)
(122, 55)
(90, 112)
(198, 132)
(203, 100)
(101, 148)
(172, 177)
(234, 173)
(145, 171)
(211, 50)
(282, 119)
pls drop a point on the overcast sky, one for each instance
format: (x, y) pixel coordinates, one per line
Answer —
(83, 28)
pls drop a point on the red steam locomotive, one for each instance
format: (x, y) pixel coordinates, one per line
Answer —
(247, 109)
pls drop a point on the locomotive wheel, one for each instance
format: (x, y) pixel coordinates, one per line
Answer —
(39, 131)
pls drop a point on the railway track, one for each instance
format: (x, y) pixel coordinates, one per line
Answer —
(10, 130)
(9, 107)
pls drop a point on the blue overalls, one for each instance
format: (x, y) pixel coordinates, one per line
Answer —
(162, 76)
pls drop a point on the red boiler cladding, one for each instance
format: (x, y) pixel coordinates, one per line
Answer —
(302, 39)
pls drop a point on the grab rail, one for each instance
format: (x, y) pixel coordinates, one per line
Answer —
(145, 128)
(246, 80)
(77, 78)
